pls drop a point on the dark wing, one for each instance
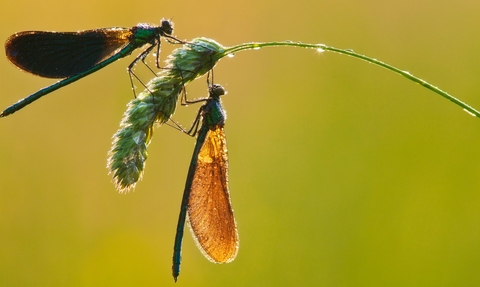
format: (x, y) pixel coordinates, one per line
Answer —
(210, 211)
(64, 54)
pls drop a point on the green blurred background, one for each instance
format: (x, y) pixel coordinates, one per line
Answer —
(341, 173)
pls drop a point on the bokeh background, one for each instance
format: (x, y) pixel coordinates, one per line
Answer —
(341, 173)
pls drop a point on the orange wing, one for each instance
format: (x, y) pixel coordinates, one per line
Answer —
(210, 212)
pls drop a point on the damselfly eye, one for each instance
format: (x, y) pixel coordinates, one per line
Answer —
(217, 90)
(167, 27)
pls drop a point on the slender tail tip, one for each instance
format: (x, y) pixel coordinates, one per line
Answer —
(5, 113)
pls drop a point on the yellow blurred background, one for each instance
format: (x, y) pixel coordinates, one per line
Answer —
(341, 173)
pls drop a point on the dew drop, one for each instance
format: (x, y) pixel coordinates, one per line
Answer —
(139, 137)
(231, 55)
(320, 48)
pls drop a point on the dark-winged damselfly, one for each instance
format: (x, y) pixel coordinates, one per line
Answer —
(73, 55)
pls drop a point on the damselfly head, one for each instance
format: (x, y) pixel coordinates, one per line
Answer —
(167, 26)
(217, 90)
